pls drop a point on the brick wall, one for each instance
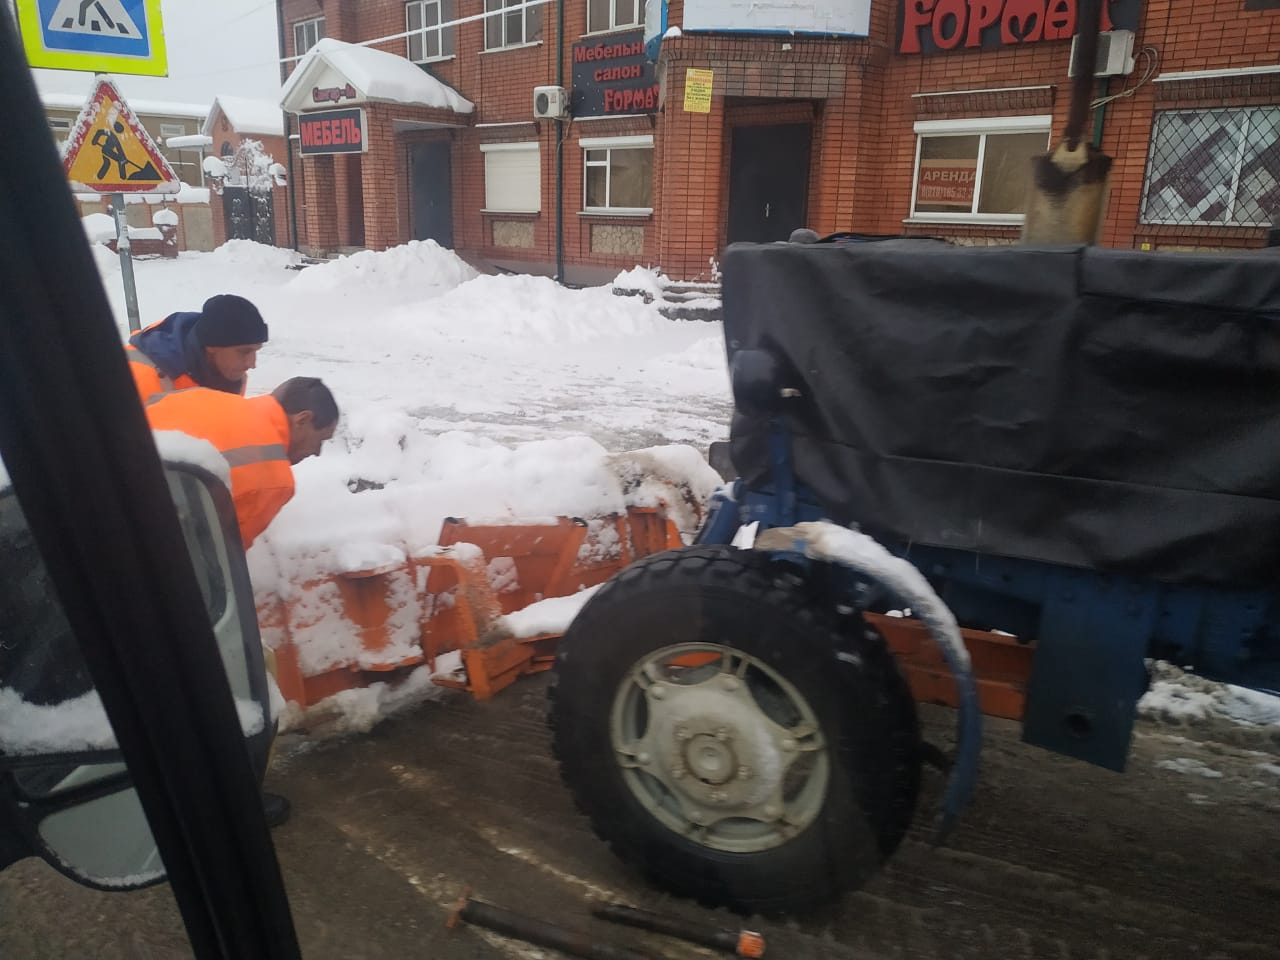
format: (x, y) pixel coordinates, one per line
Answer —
(861, 96)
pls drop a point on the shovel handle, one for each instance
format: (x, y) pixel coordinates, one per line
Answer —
(1088, 23)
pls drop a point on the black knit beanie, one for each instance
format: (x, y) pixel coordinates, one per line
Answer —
(229, 321)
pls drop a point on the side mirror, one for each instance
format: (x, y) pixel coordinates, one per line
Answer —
(65, 793)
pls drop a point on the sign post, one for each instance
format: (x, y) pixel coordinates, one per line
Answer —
(109, 152)
(126, 261)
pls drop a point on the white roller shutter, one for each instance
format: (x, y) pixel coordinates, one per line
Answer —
(512, 177)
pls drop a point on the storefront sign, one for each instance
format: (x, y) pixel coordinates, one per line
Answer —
(332, 131)
(612, 76)
(936, 26)
(332, 94)
(697, 90)
(947, 183)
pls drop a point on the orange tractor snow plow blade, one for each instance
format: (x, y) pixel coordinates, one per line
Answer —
(457, 597)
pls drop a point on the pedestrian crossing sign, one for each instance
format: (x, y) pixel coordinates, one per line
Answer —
(116, 36)
(109, 151)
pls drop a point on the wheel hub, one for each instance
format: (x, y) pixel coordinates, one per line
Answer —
(710, 760)
(720, 750)
(707, 752)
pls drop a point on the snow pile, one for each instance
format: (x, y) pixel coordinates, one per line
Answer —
(551, 616)
(641, 280)
(1190, 767)
(242, 253)
(99, 227)
(164, 217)
(1181, 698)
(548, 313)
(420, 269)
(360, 710)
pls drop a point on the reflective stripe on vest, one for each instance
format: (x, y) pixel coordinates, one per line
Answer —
(260, 453)
(166, 383)
(157, 397)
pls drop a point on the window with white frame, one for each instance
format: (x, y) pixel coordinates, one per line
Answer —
(306, 34)
(428, 38)
(512, 177)
(976, 170)
(512, 24)
(617, 174)
(605, 15)
(1218, 167)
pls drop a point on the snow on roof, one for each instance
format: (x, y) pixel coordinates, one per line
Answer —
(262, 117)
(377, 75)
(155, 108)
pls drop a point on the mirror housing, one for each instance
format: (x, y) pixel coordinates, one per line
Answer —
(65, 793)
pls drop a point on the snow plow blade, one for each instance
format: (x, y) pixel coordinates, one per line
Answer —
(457, 597)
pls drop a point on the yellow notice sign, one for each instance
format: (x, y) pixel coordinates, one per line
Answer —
(108, 150)
(697, 90)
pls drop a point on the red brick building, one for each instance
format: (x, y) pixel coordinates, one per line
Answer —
(899, 116)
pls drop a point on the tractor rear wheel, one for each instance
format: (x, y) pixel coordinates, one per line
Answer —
(732, 735)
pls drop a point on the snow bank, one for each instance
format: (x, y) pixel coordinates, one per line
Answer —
(642, 279)
(422, 267)
(540, 310)
(246, 253)
(1181, 698)
(99, 227)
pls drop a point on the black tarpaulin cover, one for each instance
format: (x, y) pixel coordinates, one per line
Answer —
(1105, 409)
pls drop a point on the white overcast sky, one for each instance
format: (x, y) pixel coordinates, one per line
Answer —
(215, 47)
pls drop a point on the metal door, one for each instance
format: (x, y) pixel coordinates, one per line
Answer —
(431, 186)
(768, 181)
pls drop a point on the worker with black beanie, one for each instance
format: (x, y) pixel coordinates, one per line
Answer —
(214, 348)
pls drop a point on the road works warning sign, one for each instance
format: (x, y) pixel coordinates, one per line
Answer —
(108, 150)
(119, 36)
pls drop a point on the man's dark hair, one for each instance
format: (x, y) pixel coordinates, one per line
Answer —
(308, 393)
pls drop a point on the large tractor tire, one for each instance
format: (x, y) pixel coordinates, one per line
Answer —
(732, 734)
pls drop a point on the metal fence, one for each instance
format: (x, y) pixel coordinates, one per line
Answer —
(1218, 167)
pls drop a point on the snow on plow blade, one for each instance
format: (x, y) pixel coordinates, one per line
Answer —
(483, 591)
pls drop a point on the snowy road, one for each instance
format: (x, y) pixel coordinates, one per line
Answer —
(1177, 858)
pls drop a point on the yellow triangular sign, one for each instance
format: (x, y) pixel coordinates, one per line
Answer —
(109, 151)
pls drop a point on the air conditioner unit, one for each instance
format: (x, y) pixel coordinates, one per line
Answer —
(1115, 54)
(550, 103)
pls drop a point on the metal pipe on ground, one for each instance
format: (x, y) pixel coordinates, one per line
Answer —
(531, 930)
(742, 943)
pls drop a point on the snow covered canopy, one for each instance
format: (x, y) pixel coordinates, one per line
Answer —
(247, 116)
(340, 74)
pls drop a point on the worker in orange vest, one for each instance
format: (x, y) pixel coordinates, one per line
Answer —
(260, 438)
(214, 348)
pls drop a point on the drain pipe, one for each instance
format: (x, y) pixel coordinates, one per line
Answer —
(560, 134)
(1100, 114)
(288, 131)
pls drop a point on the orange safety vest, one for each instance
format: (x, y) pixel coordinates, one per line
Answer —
(148, 378)
(253, 436)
